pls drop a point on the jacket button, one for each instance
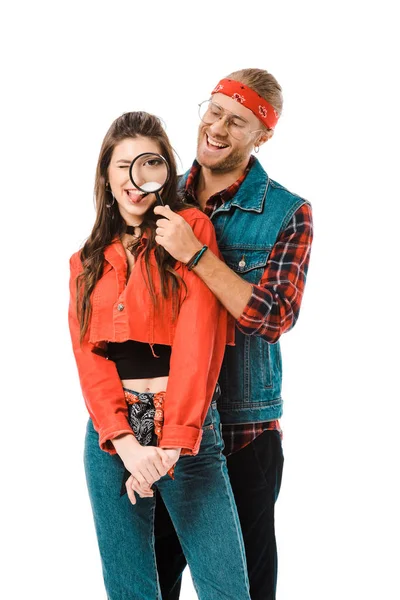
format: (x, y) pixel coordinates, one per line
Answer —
(120, 307)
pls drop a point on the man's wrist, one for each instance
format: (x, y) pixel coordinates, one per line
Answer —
(196, 257)
(192, 251)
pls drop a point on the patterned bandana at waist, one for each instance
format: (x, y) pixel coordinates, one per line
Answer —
(146, 417)
(240, 92)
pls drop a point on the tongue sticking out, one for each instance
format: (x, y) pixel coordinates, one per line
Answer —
(134, 195)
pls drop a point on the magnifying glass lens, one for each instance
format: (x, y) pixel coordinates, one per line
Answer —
(149, 172)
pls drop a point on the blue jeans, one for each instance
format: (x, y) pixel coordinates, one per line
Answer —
(203, 511)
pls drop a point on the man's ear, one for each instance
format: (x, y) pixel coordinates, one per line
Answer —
(264, 137)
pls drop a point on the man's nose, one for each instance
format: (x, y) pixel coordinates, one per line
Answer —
(219, 127)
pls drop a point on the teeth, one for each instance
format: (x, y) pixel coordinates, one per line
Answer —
(216, 143)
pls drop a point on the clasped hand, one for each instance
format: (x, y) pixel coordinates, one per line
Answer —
(147, 465)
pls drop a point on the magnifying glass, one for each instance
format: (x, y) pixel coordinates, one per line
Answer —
(149, 172)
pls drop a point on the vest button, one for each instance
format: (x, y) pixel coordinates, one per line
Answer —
(120, 307)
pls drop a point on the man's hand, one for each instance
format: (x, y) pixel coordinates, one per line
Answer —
(175, 235)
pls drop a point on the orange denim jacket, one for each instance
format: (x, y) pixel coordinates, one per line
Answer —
(124, 310)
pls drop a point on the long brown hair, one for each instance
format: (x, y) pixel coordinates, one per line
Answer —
(109, 223)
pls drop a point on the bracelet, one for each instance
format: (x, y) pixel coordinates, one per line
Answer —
(195, 258)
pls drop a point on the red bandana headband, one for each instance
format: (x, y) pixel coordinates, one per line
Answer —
(250, 99)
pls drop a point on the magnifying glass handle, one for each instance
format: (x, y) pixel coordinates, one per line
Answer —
(159, 199)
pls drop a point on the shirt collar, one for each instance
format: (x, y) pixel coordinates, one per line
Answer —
(219, 197)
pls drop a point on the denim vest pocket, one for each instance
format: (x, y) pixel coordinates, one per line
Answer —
(266, 373)
(246, 371)
(249, 263)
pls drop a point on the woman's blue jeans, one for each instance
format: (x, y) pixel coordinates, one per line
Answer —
(203, 511)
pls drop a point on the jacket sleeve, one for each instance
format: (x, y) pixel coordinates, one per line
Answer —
(197, 353)
(101, 386)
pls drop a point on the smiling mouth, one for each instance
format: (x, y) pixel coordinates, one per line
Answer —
(214, 145)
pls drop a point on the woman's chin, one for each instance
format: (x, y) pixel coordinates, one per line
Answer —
(135, 210)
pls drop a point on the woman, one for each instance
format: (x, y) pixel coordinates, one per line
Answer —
(149, 338)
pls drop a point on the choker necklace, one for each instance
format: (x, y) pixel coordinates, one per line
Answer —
(131, 229)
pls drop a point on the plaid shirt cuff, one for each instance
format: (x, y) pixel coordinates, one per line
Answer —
(258, 306)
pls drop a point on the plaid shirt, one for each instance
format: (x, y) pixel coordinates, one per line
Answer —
(274, 305)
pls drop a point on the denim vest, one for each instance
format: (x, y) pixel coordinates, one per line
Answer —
(247, 227)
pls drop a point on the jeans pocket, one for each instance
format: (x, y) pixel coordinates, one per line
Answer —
(219, 440)
(212, 428)
(208, 421)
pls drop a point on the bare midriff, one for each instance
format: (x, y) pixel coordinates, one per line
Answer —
(153, 385)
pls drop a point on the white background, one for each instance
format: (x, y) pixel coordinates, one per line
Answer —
(69, 70)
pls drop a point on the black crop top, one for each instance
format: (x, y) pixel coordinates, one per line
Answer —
(135, 360)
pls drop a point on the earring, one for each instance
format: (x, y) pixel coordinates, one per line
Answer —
(256, 149)
(108, 189)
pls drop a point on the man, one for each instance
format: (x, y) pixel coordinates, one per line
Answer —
(264, 233)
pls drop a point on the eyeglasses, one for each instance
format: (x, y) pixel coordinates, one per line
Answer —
(237, 127)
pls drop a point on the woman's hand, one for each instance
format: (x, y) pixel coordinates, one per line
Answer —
(132, 485)
(173, 455)
(143, 490)
(147, 464)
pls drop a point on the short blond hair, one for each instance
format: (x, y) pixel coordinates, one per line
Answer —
(263, 83)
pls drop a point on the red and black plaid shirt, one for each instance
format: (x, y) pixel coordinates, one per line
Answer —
(274, 305)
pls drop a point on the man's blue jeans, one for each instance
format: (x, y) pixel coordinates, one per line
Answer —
(203, 511)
